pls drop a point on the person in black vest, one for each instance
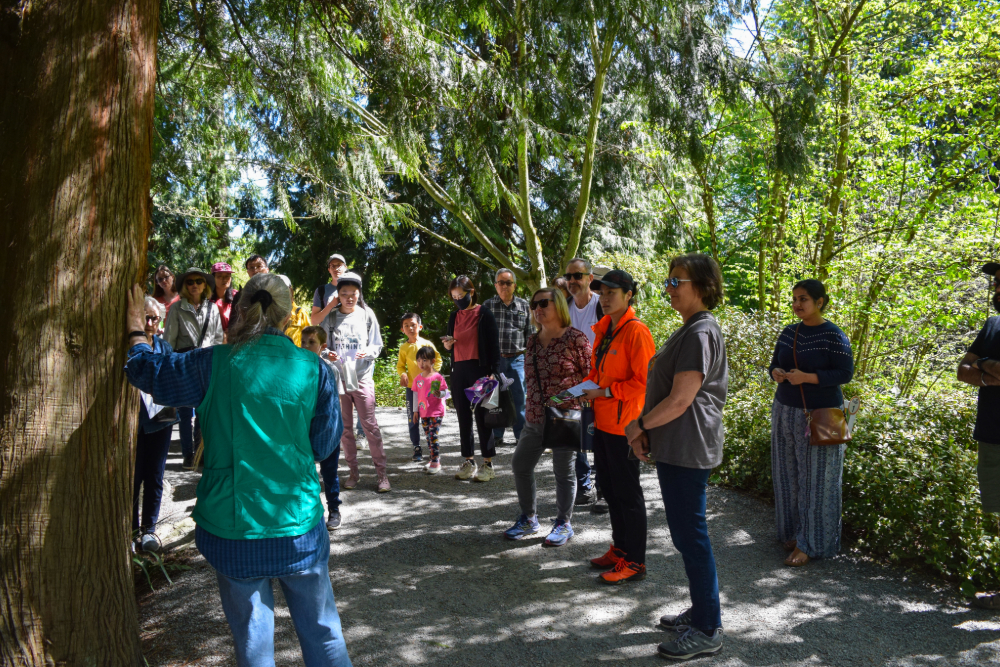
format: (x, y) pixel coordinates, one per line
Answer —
(981, 368)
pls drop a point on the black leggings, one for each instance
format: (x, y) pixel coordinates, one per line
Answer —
(463, 375)
(618, 476)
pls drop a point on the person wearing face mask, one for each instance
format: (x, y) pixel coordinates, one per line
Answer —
(623, 347)
(474, 342)
(981, 368)
(812, 360)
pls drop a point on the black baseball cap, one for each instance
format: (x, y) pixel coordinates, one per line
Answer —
(991, 268)
(615, 279)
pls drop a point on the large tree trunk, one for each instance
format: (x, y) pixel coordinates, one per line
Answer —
(76, 107)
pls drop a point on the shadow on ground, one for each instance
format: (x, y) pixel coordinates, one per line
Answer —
(423, 577)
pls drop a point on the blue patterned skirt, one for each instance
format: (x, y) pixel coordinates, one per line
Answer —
(807, 484)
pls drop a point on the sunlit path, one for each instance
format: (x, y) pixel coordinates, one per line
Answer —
(423, 577)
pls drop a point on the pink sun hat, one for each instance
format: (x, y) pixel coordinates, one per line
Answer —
(221, 267)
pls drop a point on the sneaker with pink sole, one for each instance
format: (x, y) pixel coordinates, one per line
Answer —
(434, 467)
(383, 484)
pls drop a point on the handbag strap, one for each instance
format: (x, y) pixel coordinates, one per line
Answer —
(795, 360)
(606, 347)
(204, 327)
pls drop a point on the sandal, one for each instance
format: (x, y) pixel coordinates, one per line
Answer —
(790, 545)
(797, 558)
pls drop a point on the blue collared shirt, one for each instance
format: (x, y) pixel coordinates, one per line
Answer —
(182, 380)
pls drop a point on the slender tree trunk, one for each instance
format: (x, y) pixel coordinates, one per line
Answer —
(840, 168)
(76, 111)
(602, 62)
(708, 204)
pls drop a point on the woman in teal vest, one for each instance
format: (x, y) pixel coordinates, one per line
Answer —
(269, 410)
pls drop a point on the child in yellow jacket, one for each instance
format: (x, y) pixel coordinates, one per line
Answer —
(408, 370)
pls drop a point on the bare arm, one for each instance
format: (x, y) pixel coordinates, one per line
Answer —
(969, 373)
(319, 314)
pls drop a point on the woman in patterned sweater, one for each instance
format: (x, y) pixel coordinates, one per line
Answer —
(807, 479)
(557, 357)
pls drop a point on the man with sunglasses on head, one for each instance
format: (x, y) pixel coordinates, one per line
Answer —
(584, 312)
(981, 368)
(513, 318)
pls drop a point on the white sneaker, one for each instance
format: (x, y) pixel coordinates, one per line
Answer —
(485, 474)
(467, 471)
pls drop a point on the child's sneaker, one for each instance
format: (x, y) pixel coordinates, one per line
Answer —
(467, 471)
(433, 468)
(485, 474)
(418, 455)
(560, 535)
(524, 525)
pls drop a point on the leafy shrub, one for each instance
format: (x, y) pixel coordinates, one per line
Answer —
(388, 393)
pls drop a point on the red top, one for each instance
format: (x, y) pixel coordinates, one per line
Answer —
(163, 300)
(562, 364)
(225, 311)
(466, 335)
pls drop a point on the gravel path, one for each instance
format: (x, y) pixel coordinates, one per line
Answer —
(423, 576)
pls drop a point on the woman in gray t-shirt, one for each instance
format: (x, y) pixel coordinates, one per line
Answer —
(681, 430)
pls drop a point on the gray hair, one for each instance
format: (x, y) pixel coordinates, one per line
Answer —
(160, 309)
(251, 319)
(501, 271)
(587, 265)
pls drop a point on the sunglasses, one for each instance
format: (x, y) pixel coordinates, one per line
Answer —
(194, 281)
(675, 282)
(153, 318)
(505, 283)
(574, 276)
(541, 303)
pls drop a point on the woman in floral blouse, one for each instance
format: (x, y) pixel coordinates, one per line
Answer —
(556, 358)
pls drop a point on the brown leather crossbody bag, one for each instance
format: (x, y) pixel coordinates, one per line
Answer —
(827, 426)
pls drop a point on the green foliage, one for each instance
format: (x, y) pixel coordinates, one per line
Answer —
(388, 392)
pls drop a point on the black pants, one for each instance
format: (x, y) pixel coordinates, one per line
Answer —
(463, 375)
(618, 477)
(150, 459)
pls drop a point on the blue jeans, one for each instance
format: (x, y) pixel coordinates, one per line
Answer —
(331, 480)
(513, 367)
(683, 491)
(249, 608)
(189, 439)
(414, 426)
(150, 459)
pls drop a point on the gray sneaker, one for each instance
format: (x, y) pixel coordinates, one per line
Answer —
(149, 543)
(467, 471)
(691, 643)
(678, 623)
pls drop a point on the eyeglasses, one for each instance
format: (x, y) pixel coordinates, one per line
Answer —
(505, 283)
(541, 303)
(675, 282)
(194, 281)
(575, 276)
(152, 319)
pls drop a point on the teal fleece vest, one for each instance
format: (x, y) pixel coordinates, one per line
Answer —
(260, 477)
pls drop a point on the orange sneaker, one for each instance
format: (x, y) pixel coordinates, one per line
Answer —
(608, 560)
(624, 571)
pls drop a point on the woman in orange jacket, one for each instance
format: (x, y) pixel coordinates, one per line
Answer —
(622, 350)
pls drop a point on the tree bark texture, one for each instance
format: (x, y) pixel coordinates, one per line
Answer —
(76, 111)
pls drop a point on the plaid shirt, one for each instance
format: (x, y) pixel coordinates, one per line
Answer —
(182, 380)
(513, 321)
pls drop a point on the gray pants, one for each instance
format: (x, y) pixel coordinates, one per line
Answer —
(989, 476)
(529, 450)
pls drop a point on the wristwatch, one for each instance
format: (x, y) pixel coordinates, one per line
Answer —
(607, 392)
(639, 424)
(980, 361)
